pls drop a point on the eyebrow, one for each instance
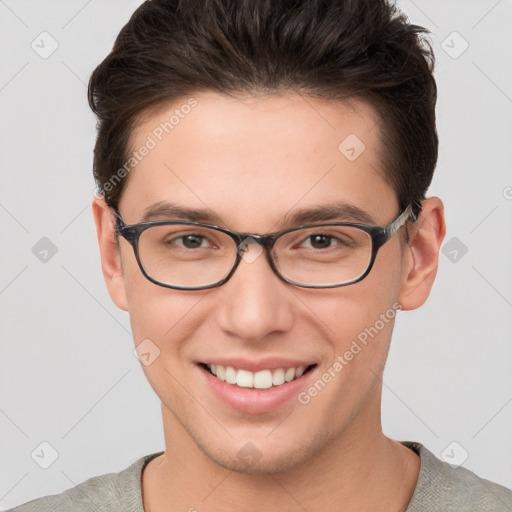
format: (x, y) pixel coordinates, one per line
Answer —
(165, 210)
(341, 212)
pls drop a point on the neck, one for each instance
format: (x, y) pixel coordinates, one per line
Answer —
(361, 470)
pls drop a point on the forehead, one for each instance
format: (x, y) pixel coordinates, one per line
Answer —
(254, 159)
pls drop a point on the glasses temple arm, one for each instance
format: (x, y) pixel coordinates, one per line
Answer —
(401, 220)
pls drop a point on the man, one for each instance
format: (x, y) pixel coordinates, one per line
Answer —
(262, 169)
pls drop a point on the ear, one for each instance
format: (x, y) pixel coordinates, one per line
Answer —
(109, 251)
(421, 255)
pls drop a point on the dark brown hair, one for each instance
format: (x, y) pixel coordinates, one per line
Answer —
(331, 49)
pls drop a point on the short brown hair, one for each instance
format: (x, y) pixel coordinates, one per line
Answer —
(331, 49)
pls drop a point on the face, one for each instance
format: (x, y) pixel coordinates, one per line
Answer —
(250, 162)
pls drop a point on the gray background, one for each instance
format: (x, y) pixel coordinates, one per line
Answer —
(68, 374)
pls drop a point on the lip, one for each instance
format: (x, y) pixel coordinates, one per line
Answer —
(268, 363)
(250, 400)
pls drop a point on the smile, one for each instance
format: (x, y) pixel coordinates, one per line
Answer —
(263, 379)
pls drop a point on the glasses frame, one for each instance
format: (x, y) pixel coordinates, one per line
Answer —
(379, 236)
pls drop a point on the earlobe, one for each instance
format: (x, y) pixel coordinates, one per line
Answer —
(109, 251)
(421, 256)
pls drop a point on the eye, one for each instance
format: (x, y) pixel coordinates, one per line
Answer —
(192, 241)
(177, 238)
(326, 241)
(320, 241)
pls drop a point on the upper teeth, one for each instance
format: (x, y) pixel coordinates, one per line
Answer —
(260, 380)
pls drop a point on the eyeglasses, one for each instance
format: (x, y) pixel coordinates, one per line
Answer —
(186, 255)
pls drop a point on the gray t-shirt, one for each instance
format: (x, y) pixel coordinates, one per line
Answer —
(440, 488)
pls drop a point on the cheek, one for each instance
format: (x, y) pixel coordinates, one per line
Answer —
(360, 328)
(156, 313)
(161, 315)
(359, 324)
(163, 322)
(359, 318)
(349, 310)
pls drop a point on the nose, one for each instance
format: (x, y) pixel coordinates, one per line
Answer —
(255, 302)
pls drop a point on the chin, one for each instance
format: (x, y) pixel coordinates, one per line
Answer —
(261, 457)
(259, 464)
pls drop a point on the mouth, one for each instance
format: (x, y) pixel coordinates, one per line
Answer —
(263, 379)
(256, 387)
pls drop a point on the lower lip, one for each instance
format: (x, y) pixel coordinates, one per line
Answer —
(254, 401)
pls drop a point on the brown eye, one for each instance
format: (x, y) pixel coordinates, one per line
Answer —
(320, 241)
(191, 241)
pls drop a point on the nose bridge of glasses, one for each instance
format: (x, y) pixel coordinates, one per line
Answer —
(264, 241)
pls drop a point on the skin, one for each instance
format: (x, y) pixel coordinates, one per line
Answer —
(251, 160)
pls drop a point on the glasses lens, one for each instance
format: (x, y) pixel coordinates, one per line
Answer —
(188, 256)
(192, 257)
(326, 255)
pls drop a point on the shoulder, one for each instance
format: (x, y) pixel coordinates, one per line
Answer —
(443, 488)
(110, 492)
